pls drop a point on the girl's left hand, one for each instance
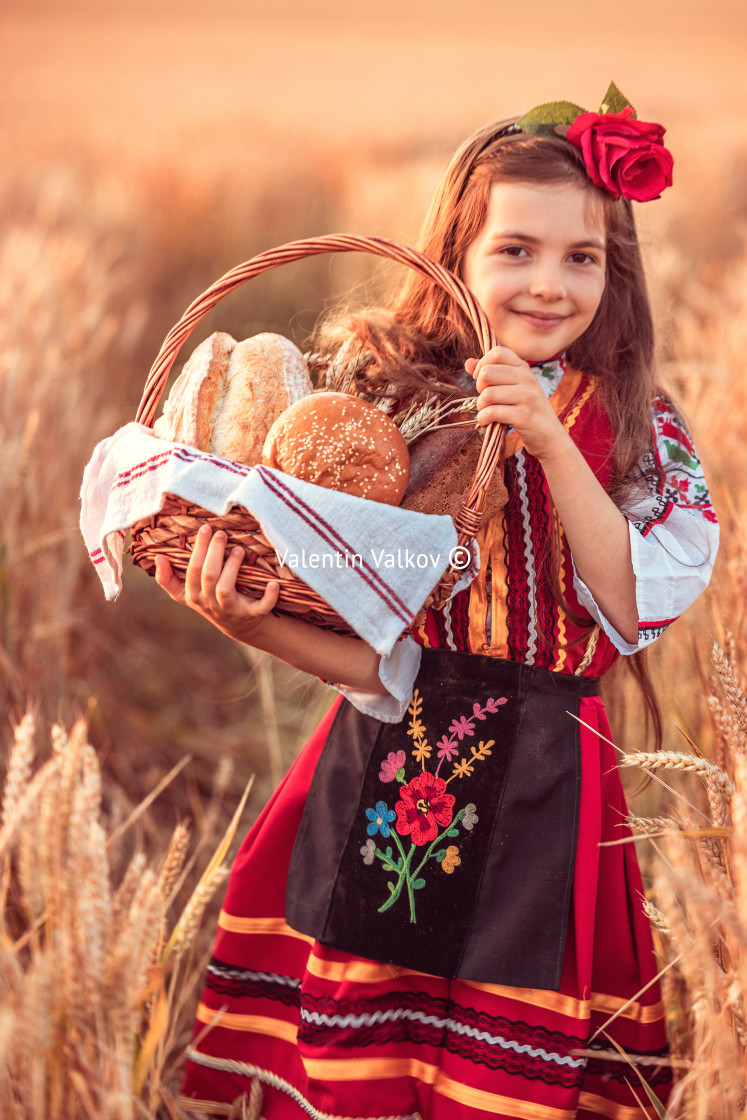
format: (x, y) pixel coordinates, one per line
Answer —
(510, 394)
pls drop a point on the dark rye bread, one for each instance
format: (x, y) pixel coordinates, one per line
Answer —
(442, 466)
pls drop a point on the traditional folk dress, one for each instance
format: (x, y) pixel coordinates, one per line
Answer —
(425, 920)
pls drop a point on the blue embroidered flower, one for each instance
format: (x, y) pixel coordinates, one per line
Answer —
(380, 818)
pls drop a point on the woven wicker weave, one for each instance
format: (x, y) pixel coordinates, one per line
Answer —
(172, 531)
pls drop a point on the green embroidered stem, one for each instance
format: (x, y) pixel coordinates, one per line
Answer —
(404, 876)
(410, 895)
(389, 865)
(433, 843)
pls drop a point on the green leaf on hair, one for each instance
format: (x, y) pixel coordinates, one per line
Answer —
(541, 120)
(615, 101)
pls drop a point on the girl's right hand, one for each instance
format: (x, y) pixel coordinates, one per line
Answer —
(209, 587)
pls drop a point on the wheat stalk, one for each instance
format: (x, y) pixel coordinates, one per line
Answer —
(732, 690)
(20, 764)
(76, 998)
(673, 760)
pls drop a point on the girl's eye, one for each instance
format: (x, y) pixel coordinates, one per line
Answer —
(515, 252)
(582, 258)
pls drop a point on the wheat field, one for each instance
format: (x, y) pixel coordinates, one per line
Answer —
(149, 147)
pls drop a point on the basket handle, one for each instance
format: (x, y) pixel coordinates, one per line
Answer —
(468, 519)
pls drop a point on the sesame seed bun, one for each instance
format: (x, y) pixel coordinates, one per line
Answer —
(343, 443)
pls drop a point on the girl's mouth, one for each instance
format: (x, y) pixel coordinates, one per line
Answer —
(545, 320)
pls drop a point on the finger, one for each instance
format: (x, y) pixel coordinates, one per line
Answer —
(270, 597)
(268, 600)
(488, 377)
(501, 356)
(471, 365)
(225, 586)
(193, 577)
(504, 374)
(497, 395)
(167, 579)
(497, 414)
(212, 566)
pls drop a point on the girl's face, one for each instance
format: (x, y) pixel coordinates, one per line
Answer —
(537, 266)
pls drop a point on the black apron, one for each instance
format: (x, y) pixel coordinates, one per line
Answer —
(446, 842)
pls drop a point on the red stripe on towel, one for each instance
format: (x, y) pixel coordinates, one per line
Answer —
(333, 538)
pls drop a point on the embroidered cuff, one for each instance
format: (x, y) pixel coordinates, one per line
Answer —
(397, 673)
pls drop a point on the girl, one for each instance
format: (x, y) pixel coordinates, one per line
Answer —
(428, 919)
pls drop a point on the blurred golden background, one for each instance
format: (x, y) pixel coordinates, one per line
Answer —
(150, 145)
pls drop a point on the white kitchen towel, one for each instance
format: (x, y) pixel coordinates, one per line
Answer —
(374, 564)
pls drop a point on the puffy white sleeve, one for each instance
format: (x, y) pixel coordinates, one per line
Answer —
(673, 533)
(397, 673)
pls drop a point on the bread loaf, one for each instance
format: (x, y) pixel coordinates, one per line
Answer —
(229, 394)
(343, 443)
(442, 466)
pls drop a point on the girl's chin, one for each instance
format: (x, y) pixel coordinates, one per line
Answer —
(536, 357)
(533, 350)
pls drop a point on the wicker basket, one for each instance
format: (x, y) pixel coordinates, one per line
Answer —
(172, 531)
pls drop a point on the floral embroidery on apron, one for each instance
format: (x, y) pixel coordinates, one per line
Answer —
(425, 812)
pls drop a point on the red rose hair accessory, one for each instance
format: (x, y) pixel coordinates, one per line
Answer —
(623, 155)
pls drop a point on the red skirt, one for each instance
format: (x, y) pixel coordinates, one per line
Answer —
(332, 1035)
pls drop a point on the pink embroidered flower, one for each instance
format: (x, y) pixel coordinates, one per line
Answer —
(391, 764)
(623, 156)
(425, 806)
(447, 748)
(494, 705)
(461, 727)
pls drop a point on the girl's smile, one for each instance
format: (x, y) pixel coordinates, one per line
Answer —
(538, 266)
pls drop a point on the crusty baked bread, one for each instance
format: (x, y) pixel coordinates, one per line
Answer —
(343, 443)
(229, 394)
(188, 411)
(442, 466)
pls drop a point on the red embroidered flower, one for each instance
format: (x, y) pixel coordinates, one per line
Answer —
(425, 806)
(623, 155)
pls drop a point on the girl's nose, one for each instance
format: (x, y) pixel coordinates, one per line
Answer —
(548, 281)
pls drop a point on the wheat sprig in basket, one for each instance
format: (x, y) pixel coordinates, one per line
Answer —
(172, 531)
